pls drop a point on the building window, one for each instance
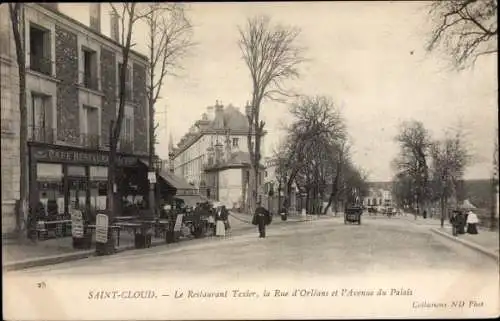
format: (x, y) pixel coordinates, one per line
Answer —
(40, 125)
(91, 135)
(40, 48)
(98, 187)
(127, 138)
(236, 142)
(50, 189)
(128, 83)
(90, 69)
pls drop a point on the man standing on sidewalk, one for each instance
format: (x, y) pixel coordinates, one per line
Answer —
(261, 218)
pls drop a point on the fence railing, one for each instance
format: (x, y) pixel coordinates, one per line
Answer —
(41, 134)
(126, 145)
(90, 140)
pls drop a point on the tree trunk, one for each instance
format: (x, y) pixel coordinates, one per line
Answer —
(109, 247)
(443, 210)
(17, 20)
(152, 194)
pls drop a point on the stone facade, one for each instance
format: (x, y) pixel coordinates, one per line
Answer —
(64, 91)
(141, 108)
(68, 122)
(109, 84)
(9, 98)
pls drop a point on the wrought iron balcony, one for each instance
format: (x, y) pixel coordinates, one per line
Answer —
(42, 134)
(90, 140)
(41, 64)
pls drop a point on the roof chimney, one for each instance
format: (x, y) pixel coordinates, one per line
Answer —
(115, 33)
(95, 16)
(248, 109)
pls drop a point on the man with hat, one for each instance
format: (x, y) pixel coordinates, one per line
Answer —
(261, 218)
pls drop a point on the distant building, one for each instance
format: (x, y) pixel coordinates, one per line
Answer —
(378, 197)
(213, 155)
(274, 194)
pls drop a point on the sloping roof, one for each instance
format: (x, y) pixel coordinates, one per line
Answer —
(237, 159)
(176, 181)
(231, 118)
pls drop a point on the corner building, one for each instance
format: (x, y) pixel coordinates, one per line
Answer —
(72, 96)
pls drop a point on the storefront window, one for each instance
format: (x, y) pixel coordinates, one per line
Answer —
(77, 186)
(98, 187)
(50, 188)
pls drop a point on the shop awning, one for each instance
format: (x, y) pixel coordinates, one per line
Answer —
(175, 181)
(191, 200)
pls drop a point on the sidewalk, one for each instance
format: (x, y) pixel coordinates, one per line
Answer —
(52, 251)
(19, 256)
(485, 241)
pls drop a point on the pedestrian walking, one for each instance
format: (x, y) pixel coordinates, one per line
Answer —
(472, 221)
(283, 213)
(453, 221)
(460, 221)
(220, 218)
(261, 218)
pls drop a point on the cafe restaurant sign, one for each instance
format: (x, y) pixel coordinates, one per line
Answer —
(78, 157)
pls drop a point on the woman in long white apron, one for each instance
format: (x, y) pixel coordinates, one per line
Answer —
(220, 228)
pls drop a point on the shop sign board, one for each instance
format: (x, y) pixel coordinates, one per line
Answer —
(78, 156)
(152, 177)
(76, 223)
(101, 228)
(178, 222)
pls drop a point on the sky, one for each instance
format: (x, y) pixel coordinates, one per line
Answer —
(369, 57)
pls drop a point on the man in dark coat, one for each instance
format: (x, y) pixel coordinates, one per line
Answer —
(460, 221)
(262, 218)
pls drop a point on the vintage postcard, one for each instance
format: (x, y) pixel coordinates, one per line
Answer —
(236, 161)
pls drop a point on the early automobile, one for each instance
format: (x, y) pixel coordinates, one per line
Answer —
(352, 214)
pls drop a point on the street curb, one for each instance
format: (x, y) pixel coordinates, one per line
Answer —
(48, 260)
(56, 259)
(469, 244)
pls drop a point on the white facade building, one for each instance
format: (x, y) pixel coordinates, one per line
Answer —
(213, 154)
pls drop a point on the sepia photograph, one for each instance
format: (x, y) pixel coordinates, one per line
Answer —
(249, 160)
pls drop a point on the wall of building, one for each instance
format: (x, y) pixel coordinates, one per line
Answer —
(190, 162)
(9, 100)
(64, 88)
(230, 187)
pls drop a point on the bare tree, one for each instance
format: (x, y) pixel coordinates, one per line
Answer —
(16, 11)
(415, 143)
(272, 57)
(169, 34)
(128, 14)
(467, 29)
(450, 158)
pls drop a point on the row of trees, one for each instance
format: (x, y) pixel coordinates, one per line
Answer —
(465, 29)
(429, 170)
(315, 157)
